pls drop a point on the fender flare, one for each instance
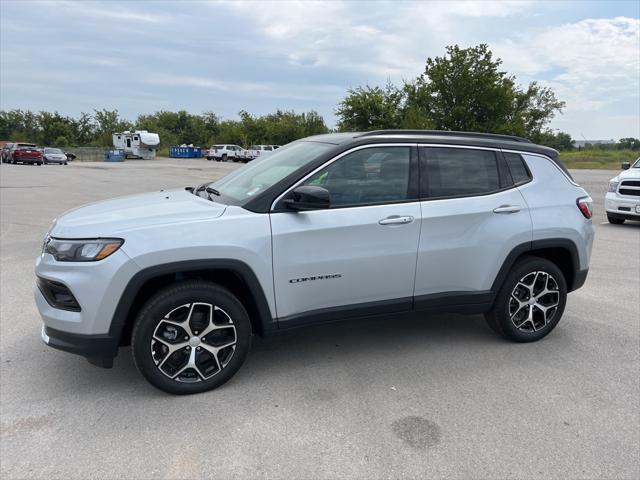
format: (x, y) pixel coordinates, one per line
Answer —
(564, 243)
(128, 297)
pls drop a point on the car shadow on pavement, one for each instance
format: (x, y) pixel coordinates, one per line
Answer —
(308, 348)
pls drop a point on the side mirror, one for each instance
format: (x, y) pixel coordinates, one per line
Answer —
(626, 165)
(308, 197)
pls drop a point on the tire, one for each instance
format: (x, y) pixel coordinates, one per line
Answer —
(187, 305)
(65, 163)
(224, 157)
(513, 316)
(614, 220)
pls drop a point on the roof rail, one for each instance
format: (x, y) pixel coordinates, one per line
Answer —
(446, 133)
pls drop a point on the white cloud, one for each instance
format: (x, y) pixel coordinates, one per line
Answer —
(590, 64)
(380, 39)
(263, 89)
(106, 10)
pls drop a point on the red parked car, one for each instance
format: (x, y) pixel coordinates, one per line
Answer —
(25, 153)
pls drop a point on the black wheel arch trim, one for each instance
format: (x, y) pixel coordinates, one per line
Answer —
(128, 297)
(579, 276)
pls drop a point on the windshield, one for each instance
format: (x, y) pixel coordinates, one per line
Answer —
(52, 150)
(637, 164)
(264, 172)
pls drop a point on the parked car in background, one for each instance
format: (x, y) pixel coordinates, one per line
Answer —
(222, 153)
(25, 153)
(257, 150)
(622, 201)
(4, 153)
(54, 155)
(70, 156)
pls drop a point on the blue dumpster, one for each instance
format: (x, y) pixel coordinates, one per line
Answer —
(185, 152)
(114, 155)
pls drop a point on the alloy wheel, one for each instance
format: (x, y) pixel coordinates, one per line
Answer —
(193, 342)
(534, 301)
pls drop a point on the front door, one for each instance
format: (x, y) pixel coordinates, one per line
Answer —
(358, 256)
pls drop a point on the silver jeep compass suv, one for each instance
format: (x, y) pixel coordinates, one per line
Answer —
(328, 227)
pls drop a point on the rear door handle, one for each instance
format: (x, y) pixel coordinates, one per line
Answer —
(507, 209)
(396, 220)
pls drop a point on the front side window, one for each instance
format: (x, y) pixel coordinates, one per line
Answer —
(454, 172)
(260, 174)
(367, 176)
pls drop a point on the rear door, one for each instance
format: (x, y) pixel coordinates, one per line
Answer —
(472, 217)
(358, 256)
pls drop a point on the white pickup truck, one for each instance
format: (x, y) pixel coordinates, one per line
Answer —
(222, 153)
(258, 150)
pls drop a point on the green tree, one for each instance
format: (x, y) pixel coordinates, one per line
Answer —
(370, 108)
(559, 141)
(108, 122)
(630, 143)
(464, 90)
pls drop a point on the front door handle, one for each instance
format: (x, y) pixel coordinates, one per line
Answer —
(507, 209)
(396, 220)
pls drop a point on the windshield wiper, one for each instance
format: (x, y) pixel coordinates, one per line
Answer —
(210, 191)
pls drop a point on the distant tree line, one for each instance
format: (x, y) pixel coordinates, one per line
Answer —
(465, 90)
(174, 128)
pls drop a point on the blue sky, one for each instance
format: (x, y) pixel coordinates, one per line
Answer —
(143, 56)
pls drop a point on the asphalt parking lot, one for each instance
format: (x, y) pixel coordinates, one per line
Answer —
(410, 398)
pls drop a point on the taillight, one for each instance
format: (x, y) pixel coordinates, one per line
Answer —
(585, 204)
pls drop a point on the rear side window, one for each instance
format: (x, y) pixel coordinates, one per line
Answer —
(517, 167)
(455, 172)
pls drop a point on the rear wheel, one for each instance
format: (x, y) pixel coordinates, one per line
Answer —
(614, 220)
(531, 301)
(191, 337)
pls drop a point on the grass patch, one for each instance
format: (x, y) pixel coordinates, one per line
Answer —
(598, 159)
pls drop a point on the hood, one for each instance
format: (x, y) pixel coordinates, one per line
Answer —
(119, 215)
(631, 173)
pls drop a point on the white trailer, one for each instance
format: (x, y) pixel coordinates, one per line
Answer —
(139, 144)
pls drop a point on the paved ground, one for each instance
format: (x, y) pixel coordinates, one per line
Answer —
(443, 397)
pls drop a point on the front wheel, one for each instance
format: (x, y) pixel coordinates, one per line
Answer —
(530, 302)
(191, 337)
(614, 220)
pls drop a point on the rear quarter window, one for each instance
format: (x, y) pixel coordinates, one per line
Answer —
(518, 168)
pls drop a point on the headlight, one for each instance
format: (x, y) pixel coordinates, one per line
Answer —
(87, 250)
(613, 186)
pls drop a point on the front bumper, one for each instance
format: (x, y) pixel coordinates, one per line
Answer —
(83, 327)
(99, 350)
(618, 206)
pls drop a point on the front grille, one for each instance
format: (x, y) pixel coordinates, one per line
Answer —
(631, 183)
(629, 187)
(58, 295)
(629, 191)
